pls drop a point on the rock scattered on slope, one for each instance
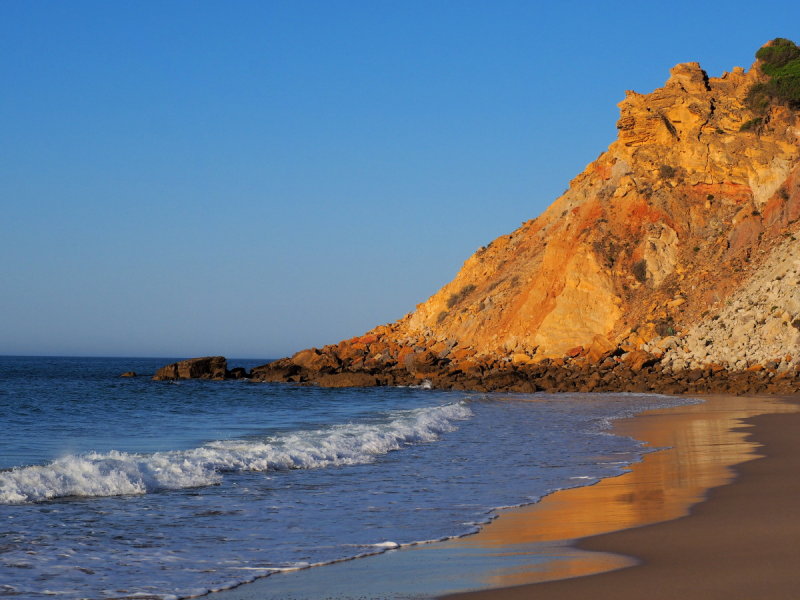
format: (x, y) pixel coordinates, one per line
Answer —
(758, 325)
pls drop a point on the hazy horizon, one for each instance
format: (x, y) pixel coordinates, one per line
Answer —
(186, 179)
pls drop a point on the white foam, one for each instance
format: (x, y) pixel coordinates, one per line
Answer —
(119, 473)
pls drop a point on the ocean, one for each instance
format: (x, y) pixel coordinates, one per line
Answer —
(114, 488)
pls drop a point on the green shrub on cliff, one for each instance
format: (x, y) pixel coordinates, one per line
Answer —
(778, 54)
(781, 61)
(460, 295)
(751, 124)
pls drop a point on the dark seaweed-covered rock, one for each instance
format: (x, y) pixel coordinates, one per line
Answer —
(207, 367)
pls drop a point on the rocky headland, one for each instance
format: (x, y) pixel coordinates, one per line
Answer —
(671, 264)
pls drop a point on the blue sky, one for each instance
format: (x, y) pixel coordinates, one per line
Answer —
(252, 178)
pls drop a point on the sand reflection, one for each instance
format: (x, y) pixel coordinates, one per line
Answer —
(705, 441)
(537, 543)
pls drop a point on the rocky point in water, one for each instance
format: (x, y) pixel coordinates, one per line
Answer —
(206, 367)
(670, 264)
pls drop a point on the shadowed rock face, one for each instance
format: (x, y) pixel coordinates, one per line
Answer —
(207, 367)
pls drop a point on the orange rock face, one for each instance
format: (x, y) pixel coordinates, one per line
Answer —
(660, 229)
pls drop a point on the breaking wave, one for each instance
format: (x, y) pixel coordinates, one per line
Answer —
(119, 473)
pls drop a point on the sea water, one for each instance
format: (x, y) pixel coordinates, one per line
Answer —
(115, 487)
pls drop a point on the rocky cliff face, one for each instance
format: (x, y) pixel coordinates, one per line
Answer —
(655, 247)
(757, 327)
(662, 225)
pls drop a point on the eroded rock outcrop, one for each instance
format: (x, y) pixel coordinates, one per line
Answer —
(207, 367)
(670, 264)
(649, 264)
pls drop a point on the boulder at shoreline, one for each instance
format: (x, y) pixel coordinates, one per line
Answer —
(206, 367)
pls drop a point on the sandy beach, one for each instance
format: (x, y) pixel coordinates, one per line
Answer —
(741, 542)
(668, 528)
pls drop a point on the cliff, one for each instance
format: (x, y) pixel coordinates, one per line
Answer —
(664, 224)
(652, 254)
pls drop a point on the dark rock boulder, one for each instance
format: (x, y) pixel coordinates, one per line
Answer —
(280, 370)
(207, 367)
(237, 373)
(421, 363)
(128, 374)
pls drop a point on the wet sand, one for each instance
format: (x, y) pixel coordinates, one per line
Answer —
(742, 542)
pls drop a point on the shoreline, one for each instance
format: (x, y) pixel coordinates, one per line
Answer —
(618, 371)
(519, 547)
(733, 537)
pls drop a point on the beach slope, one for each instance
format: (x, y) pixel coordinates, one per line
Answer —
(741, 543)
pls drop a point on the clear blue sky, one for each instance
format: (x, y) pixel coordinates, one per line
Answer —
(252, 178)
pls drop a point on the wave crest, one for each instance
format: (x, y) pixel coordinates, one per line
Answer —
(119, 473)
